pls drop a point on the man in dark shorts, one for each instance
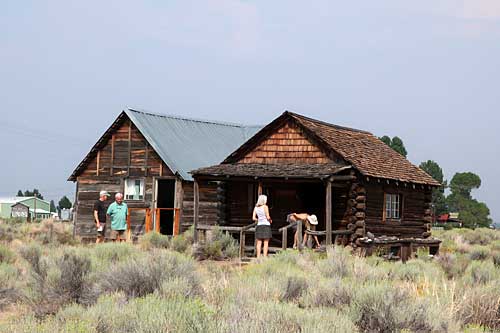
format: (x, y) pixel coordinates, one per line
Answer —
(100, 208)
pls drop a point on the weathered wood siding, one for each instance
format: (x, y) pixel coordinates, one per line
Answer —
(125, 154)
(209, 204)
(285, 146)
(412, 222)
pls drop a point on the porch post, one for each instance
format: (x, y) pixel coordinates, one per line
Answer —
(196, 210)
(328, 212)
(259, 188)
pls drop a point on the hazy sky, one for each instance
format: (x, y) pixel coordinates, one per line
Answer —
(427, 71)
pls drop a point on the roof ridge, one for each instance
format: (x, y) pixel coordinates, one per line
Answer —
(296, 115)
(205, 121)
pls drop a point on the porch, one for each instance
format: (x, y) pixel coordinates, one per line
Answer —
(325, 190)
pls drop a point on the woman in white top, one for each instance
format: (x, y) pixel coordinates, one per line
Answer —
(263, 231)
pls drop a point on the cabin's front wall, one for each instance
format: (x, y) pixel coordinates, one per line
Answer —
(415, 210)
(126, 154)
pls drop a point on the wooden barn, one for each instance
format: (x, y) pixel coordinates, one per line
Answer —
(147, 157)
(351, 180)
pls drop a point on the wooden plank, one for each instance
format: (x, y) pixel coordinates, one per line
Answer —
(98, 161)
(328, 213)
(129, 146)
(146, 160)
(112, 154)
(285, 239)
(242, 243)
(299, 235)
(196, 210)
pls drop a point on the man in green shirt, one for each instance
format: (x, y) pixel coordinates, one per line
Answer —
(117, 213)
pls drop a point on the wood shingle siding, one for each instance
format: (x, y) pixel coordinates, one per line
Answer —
(286, 146)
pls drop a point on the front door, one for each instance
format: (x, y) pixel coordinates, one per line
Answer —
(165, 199)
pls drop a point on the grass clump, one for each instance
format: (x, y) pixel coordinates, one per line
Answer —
(57, 282)
(479, 252)
(383, 308)
(6, 255)
(144, 275)
(337, 264)
(217, 246)
(154, 240)
(328, 293)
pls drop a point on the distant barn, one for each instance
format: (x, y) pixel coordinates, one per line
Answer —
(147, 157)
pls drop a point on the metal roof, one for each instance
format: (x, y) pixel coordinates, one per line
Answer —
(13, 200)
(186, 144)
(182, 143)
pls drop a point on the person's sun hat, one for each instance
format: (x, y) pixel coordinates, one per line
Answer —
(106, 193)
(312, 219)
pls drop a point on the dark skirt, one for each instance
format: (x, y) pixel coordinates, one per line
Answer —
(263, 232)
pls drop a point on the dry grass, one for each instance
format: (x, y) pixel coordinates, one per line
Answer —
(60, 286)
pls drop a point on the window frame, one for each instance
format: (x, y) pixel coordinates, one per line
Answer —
(388, 199)
(125, 187)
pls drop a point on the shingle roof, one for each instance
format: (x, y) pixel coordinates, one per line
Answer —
(272, 170)
(364, 151)
(182, 143)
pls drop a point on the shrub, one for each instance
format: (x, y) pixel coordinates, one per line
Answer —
(154, 240)
(269, 316)
(9, 293)
(381, 308)
(295, 287)
(480, 306)
(142, 276)
(114, 252)
(217, 246)
(328, 293)
(480, 272)
(496, 258)
(57, 283)
(337, 264)
(180, 244)
(114, 313)
(72, 285)
(479, 252)
(452, 265)
(481, 236)
(53, 232)
(6, 255)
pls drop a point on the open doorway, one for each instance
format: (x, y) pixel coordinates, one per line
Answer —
(165, 199)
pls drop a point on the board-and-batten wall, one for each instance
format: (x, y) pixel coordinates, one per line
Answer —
(127, 154)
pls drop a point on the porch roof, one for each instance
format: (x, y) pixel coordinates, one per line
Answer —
(309, 171)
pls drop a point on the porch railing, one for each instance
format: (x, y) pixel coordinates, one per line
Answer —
(241, 231)
(337, 234)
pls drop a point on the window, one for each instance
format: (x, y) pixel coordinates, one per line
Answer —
(392, 206)
(134, 189)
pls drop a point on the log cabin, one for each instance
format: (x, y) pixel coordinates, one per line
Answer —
(147, 157)
(350, 179)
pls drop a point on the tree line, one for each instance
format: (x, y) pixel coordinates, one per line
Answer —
(472, 212)
(64, 202)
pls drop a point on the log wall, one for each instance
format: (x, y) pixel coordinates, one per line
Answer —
(415, 210)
